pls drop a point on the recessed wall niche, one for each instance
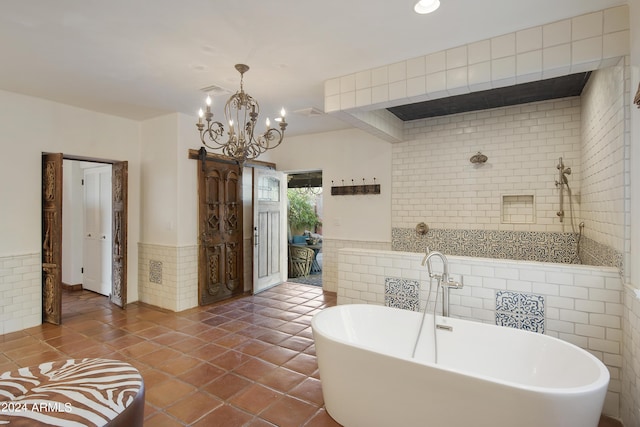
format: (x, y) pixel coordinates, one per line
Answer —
(518, 209)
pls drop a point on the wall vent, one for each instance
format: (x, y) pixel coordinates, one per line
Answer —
(309, 112)
(215, 90)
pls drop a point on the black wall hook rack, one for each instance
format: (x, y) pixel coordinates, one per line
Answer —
(354, 189)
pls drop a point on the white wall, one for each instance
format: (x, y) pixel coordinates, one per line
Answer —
(344, 155)
(187, 181)
(170, 212)
(159, 170)
(169, 180)
(361, 221)
(28, 127)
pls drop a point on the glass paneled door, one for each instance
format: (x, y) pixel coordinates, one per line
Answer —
(269, 229)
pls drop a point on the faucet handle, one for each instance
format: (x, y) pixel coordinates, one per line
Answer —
(455, 285)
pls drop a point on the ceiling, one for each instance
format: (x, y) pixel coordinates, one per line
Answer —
(145, 58)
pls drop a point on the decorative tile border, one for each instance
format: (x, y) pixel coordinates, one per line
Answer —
(517, 245)
(402, 293)
(520, 311)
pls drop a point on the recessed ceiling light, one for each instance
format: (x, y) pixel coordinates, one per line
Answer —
(426, 6)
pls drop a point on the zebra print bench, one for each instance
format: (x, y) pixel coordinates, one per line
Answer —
(69, 393)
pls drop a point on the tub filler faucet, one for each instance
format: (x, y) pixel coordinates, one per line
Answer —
(443, 279)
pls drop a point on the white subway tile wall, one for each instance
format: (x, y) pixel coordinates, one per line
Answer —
(583, 305)
(602, 158)
(20, 292)
(630, 358)
(330, 249)
(434, 181)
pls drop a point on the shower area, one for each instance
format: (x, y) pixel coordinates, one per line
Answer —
(539, 181)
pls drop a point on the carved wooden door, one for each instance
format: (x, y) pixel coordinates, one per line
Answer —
(119, 182)
(52, 238)
(220, 261)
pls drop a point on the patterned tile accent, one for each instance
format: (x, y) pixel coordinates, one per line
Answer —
(594, 253)
(518, 245)
(520, 311)
(155, 272)
(402, 293)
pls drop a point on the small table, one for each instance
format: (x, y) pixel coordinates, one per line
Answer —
(82, 392)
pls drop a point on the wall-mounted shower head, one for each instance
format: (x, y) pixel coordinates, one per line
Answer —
(478, 158)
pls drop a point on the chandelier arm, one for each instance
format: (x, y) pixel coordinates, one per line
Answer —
(265, 141)
(213, 131)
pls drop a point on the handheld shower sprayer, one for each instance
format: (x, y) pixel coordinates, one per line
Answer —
(561, 182)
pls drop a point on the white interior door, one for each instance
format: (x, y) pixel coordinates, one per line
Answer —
(97, 230)
(269, 229)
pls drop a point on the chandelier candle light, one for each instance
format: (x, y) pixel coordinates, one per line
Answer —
(241, 113)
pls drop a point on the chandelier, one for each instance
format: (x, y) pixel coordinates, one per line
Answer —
(241, 113)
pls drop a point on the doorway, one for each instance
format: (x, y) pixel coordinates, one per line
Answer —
(269, 223)
(113, 237)
(86, 226)
(305, 208)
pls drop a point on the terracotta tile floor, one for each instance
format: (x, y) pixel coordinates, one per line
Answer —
(245, 362)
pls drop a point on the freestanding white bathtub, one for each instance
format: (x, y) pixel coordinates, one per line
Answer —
(486, 375)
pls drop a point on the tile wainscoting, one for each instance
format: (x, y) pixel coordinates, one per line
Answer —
(330, 249)
(168, 276)
(582, 304)
(20, 292)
